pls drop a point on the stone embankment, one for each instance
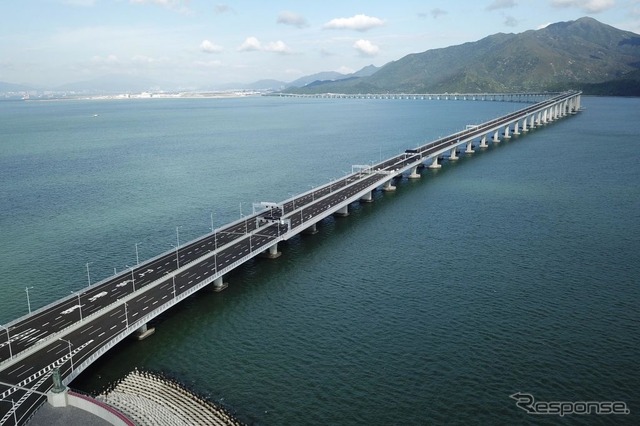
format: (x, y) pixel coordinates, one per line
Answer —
(150, 399)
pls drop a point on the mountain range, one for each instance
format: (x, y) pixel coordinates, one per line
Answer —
(584, 54)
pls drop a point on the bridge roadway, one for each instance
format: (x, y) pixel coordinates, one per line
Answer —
(74, 331)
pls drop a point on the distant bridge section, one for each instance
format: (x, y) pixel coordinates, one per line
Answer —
(522, 97)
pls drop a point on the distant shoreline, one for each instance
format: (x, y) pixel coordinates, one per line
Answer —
(144, 95)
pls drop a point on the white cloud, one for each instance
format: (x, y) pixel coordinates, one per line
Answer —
(250, 44)
(589, 6)
(208, 47)
(501, 4)
(277, 47)
(541, 26)
(366, 48)
(357, 22)
(291, 18)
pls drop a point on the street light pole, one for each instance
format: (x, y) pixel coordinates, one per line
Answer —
(137, 258)
(70, 353)
(178, 241)
(28, 301)
(8, 341)
(133, 278)
(79, 303)
(88, 276)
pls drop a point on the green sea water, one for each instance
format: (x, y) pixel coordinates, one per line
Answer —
(516, 268)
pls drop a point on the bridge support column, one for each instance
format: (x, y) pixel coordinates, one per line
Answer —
(271, 253)
(516, 127)
(367, 198)
(453, 155)
(532, 121)
(469, 149)
(506, 132)
(496, 139)
(414, 171)
(343, 211)
(311, 230)
(388, 186)
(434, 164)
(144, 331)
(219, 284)
(483, 142)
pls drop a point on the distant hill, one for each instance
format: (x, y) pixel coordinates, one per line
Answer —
(330, 76)
(14, 88)
(579, 53)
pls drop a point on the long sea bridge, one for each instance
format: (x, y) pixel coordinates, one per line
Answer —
(69, 334)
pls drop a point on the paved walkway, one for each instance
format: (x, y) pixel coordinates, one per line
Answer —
(64, 416)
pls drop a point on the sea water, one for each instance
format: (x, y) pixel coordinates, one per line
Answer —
(514, 269)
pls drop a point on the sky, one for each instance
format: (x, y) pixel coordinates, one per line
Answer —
(196, 43)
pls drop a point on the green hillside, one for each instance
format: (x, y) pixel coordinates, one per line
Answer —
(583, 53)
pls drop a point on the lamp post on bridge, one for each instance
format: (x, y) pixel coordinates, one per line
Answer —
(28, 301)
(174, 286)
(13, 408)
(70, 353)
(88, 276)
(8, 341)
(133, 278)
(137, 258)
(77, 293)
(177, 259)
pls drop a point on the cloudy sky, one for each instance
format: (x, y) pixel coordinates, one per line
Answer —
(200, 42)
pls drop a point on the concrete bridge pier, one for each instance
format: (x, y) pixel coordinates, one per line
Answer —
(144, 331)
(453, 155)
(516, 127)
(388, 186)
(524, 125)
(313, 229)
(532, 123)
(414, 171)
(483, 142)
(469, 149)
(343, 211)
(367, 198)
(434, 164)
(271, 253)
(496, 139)
(506, 132)
(219, 284)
